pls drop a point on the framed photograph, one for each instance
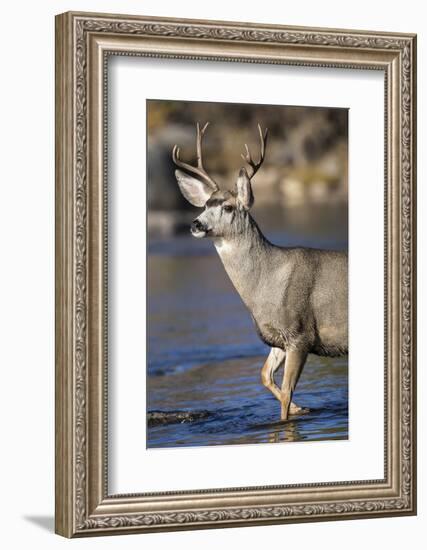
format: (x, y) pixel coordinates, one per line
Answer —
(235, 274)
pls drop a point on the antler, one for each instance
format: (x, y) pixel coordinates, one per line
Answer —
(199, 169)
(248, 157)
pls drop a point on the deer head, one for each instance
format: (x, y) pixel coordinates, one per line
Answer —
(226, 213)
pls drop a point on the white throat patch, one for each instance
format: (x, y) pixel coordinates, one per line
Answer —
(223, 246)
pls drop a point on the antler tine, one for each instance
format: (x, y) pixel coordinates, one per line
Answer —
(199, 169)
(248, 157)
(199, 137)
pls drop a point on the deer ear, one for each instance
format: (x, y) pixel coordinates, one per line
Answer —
(244, 190)
(197, 192)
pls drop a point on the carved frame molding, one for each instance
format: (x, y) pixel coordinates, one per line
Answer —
(83, 43)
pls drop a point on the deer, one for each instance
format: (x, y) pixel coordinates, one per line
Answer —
(297, 296)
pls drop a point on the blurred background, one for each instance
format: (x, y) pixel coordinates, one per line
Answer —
(305, 166)
(204, 357)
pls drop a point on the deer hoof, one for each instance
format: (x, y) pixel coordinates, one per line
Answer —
(296, 409)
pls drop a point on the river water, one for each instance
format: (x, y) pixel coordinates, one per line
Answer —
(204, 357)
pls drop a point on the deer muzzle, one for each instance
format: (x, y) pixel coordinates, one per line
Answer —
(198, 229)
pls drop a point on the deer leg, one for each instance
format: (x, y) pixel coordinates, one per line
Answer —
(295, 361)
(275, 359)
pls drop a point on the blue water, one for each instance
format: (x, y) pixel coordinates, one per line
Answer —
(204, 355)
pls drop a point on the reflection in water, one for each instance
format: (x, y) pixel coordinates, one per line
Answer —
(204, 354)
(288, 432)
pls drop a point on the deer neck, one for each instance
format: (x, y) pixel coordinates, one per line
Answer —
(244, 258)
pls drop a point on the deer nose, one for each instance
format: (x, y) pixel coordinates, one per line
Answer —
(197, 226)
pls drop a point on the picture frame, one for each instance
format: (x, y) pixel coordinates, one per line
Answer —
(84, 506)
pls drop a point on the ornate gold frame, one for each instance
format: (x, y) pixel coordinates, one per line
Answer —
(83, 42)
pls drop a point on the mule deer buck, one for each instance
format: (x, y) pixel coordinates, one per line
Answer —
(297, 296)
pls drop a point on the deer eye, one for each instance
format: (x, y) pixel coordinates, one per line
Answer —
(228, 208)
